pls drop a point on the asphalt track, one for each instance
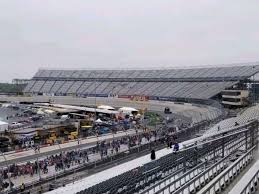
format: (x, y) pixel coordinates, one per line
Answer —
(196, 113)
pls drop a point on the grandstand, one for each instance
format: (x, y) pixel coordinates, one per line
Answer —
(250, 114)
(196, 83)
(202, 162)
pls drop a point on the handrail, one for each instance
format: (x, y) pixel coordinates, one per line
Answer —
(191, 141)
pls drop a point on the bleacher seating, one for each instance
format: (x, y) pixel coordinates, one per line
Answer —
(239, 71)
(249, 182)
(200, 90)
(248, 115)
(198, 83)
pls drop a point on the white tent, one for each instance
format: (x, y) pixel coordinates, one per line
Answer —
(6, 105)
(3, 126)
(48, 111)
(40, 112)
(98, 121)
(64, 117)
(106, 107)
(127, 110)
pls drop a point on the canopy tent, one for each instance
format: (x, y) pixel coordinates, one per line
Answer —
(98, 121)
(3, 126)
(64, 117)
(40, 112)
(106, 107)
(85, 109)
(48, 111)
(127, 110)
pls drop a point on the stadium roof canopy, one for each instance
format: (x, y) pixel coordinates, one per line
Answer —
(228, 73)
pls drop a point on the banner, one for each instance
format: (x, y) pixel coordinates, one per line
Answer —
(139, 98)
(124, 96)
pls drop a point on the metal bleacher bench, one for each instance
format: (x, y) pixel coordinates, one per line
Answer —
(249, 182)
(220, 182)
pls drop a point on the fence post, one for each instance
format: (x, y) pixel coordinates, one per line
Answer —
(223, 146)
(247, 139)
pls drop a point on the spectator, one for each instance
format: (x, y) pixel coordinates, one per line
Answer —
(41, 190)
(153, 155)
(176, 147)
(22, 187)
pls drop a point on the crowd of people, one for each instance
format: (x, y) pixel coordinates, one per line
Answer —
(38, 167)
(66, 160)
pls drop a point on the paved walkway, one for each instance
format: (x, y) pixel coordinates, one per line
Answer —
(14, 157)
(52, 172)
(28, 179)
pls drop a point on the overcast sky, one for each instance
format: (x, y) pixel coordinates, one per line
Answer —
(125, 34)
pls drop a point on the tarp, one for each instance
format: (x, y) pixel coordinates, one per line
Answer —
(40, 112)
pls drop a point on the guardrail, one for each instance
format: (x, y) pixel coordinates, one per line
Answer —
(251, 124)
(218, 184)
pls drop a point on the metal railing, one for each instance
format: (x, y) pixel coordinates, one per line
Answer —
(252, 185)
(195, 184)
(219, 183)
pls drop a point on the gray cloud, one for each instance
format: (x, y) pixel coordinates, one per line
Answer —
(122, 34)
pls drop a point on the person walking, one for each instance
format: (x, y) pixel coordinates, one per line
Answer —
(176, 147)
(41, 189)
(153, 155)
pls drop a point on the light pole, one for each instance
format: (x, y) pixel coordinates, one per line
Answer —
(78, 130)
(95, 100)
(254, 88)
